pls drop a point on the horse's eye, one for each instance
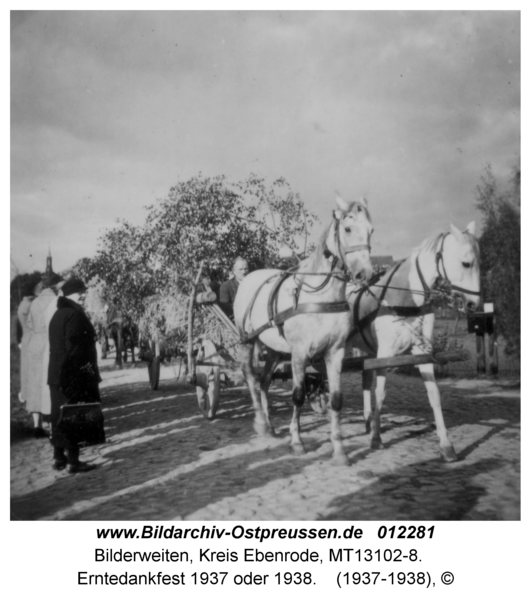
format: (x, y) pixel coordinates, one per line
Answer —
(467, 265)
(347, 229)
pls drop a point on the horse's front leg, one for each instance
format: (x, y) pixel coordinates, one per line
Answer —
(366, 380)
(445, 446)
(298, 368)
(262, 425)
(334, 365)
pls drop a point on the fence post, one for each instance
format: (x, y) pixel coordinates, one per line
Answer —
(493, 351)
(480, 347)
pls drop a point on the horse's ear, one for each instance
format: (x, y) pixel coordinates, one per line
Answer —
(338, 214)
(471, 228)
(341, 204)
(364, 202)
(457, 234)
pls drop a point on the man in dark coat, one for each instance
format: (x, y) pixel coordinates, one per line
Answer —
(73, 374)
(227, 291)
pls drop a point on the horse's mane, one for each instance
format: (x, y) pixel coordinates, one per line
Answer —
(432, 244)
(313, 262)
(474, 243)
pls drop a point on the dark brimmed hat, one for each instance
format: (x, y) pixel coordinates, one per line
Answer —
(51, 280)
(73, 286)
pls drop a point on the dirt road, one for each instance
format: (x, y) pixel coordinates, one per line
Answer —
(164, 461)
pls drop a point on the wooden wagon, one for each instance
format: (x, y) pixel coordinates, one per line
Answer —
(206, 361)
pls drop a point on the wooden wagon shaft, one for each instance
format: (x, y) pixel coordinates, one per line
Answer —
(351, 364)
(418, 359)
(191, 358)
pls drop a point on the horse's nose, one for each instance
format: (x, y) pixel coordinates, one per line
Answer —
(361, 276)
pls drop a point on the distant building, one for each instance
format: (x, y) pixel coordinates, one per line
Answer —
(381, 262)
(49, 269)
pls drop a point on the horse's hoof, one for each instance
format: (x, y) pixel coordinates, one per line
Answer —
(367, 427)
(211, 416)
(376, 444)
(340, 460)
(448, 453)
(264, 430)
(297, 449)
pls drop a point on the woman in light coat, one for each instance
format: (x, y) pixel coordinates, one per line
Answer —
(38, 346)
(23, 314)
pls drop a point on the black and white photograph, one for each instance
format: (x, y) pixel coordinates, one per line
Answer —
(265, 266)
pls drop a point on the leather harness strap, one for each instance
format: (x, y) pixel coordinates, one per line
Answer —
(444, 276)
(278, 319)
(399, 311)
(403, 311)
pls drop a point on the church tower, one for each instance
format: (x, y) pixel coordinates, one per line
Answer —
(49, 269)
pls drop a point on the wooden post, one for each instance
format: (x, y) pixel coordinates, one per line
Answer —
(493, 352)
(191, 359)
(480, 347)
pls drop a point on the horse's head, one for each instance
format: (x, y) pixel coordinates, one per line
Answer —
(458, 262)
(350, 236)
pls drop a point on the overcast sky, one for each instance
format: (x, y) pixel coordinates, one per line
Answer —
(110, 109)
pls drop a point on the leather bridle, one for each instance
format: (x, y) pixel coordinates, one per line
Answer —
(442, 276)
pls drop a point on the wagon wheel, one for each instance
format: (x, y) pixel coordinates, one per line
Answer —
(317, 391)
(154, 373)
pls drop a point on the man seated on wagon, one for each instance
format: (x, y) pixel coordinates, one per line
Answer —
(227, 291)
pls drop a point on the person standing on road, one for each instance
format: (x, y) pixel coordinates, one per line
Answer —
(35, 396)
(73, 374)
(22, 315)
(227, 291)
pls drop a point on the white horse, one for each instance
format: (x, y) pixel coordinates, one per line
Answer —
(394, 316)
(304, 312)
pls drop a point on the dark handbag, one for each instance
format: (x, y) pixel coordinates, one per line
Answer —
(82, 424)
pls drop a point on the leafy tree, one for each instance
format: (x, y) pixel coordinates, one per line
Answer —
(122, 265)
(212, 220)
(201, 219)
(500, 253)
(84, 269)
